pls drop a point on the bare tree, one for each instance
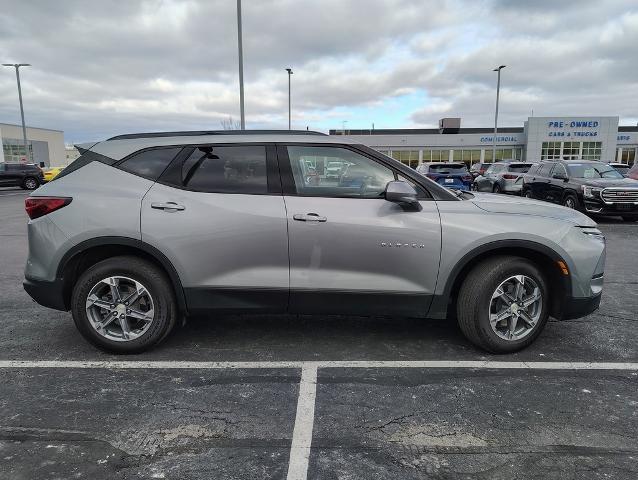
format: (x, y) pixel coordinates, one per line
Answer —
(230, 124)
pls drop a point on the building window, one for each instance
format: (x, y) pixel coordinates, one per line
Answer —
(408, 157)
(571, 151)
(591, 150)
(628, 155)
(467, 156)
(436, 155)
(550, 151)
(503, 154)
(14, 151)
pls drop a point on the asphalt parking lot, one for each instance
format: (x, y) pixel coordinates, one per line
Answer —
(318, 397)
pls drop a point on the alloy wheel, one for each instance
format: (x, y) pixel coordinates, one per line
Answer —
(31, 184)
(120, 308)
(570, 203)
(515, 307)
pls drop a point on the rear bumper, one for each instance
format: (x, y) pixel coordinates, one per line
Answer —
(579, 307)
(47, 294)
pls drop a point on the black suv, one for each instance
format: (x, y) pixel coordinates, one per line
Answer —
(592, 187)
(26, 175)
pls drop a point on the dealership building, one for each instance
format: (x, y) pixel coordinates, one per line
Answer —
(45, 146)
(540, 138)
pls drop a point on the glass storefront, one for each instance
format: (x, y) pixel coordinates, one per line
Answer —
(571, 150)
(14, 151)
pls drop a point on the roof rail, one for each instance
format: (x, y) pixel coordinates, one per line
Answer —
(196, 133)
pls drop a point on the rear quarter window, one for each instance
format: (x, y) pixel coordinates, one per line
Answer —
(149, 163)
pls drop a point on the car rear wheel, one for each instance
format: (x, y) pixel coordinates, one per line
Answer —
(503, 304)
(30, 183)
(528, 193)
(124, 305)
(496, 188)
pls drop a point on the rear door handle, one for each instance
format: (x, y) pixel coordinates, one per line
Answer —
(168, 206)
(309, 217)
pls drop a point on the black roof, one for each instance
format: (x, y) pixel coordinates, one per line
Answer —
(196, 133)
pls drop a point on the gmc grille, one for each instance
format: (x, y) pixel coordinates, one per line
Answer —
(620, 195)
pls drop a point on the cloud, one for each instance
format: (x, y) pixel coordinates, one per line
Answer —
(108, 67)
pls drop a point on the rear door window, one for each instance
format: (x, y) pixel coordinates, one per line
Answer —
(227, 169)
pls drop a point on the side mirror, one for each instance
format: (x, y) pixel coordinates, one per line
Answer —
(402, 193)
(560, 176)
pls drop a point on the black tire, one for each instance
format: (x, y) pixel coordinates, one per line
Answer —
(30, 183)
(528, 193)
(630, 219)
(571, 201)
(475, 295)
(156, 282)
(496, 188)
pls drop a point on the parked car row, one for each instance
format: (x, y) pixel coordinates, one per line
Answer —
(28, 176)
(592, 187)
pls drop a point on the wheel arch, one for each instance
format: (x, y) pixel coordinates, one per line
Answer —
(89, 252)
(541, 255)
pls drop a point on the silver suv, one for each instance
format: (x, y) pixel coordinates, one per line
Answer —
(145, 229)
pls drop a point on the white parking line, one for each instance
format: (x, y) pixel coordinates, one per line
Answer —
(464, 364)
(304, 420)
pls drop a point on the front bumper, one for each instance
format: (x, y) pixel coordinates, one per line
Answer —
(579, 307)
(47, 294)
(597, 207)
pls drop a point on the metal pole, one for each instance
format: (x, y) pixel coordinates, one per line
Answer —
(289, 70)
(498, 90)
(24, 127)
(241, 68)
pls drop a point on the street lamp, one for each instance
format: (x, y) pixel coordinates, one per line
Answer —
(289, 70)
(241, 68)
(24, 128)
(498, 89)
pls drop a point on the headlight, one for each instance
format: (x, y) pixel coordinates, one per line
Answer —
(593, 233)
(591, 192)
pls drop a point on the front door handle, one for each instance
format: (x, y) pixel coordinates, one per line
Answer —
(168, 206)
(309, 217)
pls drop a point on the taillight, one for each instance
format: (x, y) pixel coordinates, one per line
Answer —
(39, 206)
(467, 178)
(432, 176)
(509, 176)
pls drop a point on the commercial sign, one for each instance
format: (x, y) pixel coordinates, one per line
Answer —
(498, 139)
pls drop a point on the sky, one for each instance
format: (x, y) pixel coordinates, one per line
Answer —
(101, 68)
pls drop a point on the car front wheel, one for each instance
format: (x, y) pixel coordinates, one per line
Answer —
(503, 304)
(571, 201)
(124, 305)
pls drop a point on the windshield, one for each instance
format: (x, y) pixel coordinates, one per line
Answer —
(592, 170)
(449, 168)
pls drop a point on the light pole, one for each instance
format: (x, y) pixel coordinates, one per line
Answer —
(24, 128)
(241, 68)
(289, 70)
(498, 90)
